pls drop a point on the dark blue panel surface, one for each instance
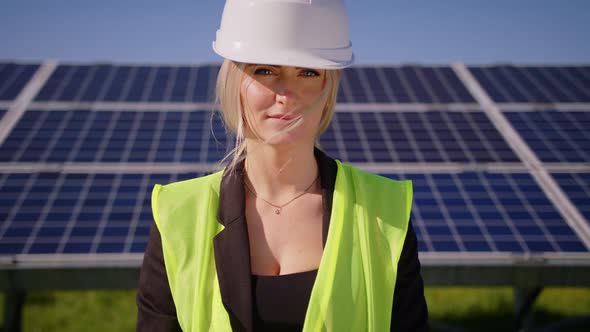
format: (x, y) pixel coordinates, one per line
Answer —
(106, 213)
(487, 212)
(533, 83)
(107, 136)
(124, 83)
(410, 76)
(13, 78)
(436, 136)
(555, 136)
(197, 84)
(577, 187)
(77, 213)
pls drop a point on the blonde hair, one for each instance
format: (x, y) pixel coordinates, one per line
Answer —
(227, 89)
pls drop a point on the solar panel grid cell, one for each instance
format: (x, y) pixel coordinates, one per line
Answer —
(159, 89)
(490, 85)
(377, 85)
(582, 74)
(555, 136)
(94, 83)
(345, 93)
(577, 188)
(179, 84)
(500, 76)
(570, 85)
(354, 147)
(518, 89)
(430, 77)
(355, 79)
(80, 78)
(419, 90)
(550, 84)
(455, 86)
(13, 78)
(529, 86)
(201, 91)
(399, 89)
(403, 137)
(140, 80)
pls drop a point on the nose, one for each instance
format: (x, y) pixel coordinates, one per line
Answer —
(285, 92)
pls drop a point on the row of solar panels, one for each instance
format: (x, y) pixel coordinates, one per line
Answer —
(464, 212)
(197, 136)
(386, 84)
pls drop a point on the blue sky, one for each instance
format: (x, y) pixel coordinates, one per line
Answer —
(382, 32)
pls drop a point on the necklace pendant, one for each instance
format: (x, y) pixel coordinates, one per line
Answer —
(278, 211)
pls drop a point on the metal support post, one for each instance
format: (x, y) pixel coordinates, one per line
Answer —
(524, 299)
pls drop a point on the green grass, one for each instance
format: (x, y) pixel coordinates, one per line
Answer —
(80, 311)
(479, 309)
(491, 309)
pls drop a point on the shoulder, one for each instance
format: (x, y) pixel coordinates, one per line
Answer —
(371, 180)
(189, 186)
(172, 196)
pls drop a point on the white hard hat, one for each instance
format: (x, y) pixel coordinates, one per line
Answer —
(303, 33)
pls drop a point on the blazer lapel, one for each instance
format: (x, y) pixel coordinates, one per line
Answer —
(232, 253)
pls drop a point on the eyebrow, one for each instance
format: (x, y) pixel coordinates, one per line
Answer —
(275, 66)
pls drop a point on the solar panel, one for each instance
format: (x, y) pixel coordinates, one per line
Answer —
(100, 213)
(534, 84)
(13, 77)
(108, 136)
(489, 212)
(403, 84)
(151, 136)
(555, 136)
(130, 83)
(77, 213)
(434, 136)
(577, 188)
(196, 84)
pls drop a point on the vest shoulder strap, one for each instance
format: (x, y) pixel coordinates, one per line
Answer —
(185, 213)
(354, 287)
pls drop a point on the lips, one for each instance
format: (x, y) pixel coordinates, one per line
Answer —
(284, 117)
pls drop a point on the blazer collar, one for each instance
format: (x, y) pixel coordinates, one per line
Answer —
(231, 245)
(232, 251)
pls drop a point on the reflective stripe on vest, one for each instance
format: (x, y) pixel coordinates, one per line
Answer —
(353, 290)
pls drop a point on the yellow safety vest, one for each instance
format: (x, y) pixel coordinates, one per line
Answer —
(353, 290)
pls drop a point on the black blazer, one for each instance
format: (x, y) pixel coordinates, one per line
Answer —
(156, 310)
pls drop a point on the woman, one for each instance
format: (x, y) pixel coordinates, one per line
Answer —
(285, 238)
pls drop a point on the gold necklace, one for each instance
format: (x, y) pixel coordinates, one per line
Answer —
(280, 207)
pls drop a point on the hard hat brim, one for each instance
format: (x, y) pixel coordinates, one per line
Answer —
(333, 58)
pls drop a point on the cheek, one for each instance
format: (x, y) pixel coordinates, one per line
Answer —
(313, 88)
(256, 96)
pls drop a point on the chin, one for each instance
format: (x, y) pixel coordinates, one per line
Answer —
(287, 139)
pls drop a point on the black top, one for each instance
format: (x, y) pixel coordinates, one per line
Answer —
(268, 307)
(280, 302)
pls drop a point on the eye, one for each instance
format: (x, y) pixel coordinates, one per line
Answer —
(310, 73)
(263, 71)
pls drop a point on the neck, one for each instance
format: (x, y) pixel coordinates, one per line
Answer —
(280, 171)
